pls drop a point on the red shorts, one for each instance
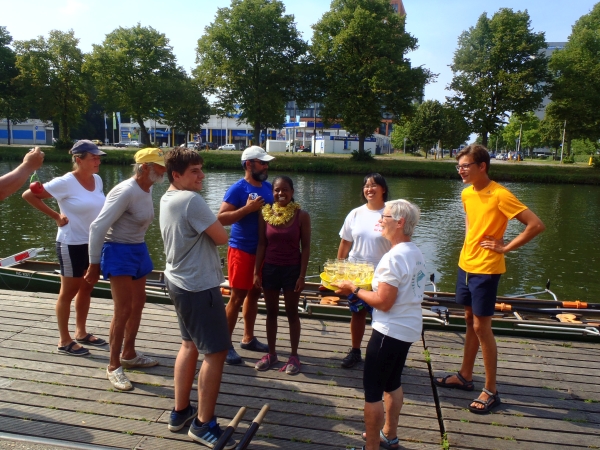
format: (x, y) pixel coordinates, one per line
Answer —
(240, 269)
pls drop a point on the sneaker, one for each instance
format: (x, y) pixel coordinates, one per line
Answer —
(209, 433)
(255, 346)
(118, 379)
(232, 357)
(266, 362)
(140, 360)
(292, 367)
(351, 358)
(177, 420)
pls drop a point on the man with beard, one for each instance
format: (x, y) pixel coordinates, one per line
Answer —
(117, 247)
(240, 209)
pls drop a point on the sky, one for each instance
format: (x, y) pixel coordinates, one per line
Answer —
(436, 24)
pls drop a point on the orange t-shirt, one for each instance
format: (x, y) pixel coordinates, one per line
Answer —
(488, 212)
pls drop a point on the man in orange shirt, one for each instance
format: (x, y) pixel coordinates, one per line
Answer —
(488, 207)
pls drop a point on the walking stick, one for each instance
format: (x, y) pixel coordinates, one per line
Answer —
(247, 438)
(220, 444)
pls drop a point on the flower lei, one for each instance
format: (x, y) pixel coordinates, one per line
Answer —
(279, 215)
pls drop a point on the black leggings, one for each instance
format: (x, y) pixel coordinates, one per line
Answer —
(384, 362)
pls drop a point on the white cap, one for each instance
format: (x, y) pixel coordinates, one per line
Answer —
(256, 152)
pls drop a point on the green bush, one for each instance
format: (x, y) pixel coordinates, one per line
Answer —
(358, 155)
(596, 162)
(63, 144)
(569, 159)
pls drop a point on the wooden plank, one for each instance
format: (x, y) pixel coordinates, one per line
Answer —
(65, 432)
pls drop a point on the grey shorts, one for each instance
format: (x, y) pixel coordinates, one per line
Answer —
(201, 317)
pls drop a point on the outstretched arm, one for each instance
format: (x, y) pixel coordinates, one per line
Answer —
(12, 181)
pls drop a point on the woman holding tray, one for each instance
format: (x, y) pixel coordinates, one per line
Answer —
(361, 240)
(281, 262)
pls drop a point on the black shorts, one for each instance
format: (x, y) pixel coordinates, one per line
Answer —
(280, 277)
(201, 317)
(384, 362)
(478, 291)
(73, 259)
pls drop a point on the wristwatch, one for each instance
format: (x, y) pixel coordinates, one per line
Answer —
(355, 292)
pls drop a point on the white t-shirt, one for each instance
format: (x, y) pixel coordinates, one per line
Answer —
(361, 227)
(79, 205)
(403, 267)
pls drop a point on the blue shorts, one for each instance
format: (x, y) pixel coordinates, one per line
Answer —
(478, 291)
(125, 260)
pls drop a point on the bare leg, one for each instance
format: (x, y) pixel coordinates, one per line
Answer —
(121, 288)
(249, 312)
(82, 307)
(393, 405)
(185, 370)
(470, 350)
(232, 310)
(483, 329)
(138, 300)
(373, 423)
(358, 322)
(291, 299)
(209, 382)
(68, 289)
(272, 301)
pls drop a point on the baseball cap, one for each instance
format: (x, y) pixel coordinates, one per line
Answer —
(150, 155)
(256, 152)
(85, 146)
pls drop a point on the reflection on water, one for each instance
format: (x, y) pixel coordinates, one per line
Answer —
(566, 253)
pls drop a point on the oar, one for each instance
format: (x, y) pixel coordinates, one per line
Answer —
(503, 307)
(220, 444)
(250, 432)
(520, 302)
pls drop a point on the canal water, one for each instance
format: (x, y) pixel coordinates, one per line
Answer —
(567, 253)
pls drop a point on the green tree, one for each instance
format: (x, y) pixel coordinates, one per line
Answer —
(456, 128)
(551, 133)
(360, 48)
(51, 71)
(428, 125)
(400, 132)
(189, 110)
(528, 126)
(249, 60)
(496, 142)
(12, 100)
(134, 69)
(499, 68)
(576, 88)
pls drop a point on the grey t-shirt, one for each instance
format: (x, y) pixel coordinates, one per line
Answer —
(125, 217)
(193, 261)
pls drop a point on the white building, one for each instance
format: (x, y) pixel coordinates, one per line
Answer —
(29, 132)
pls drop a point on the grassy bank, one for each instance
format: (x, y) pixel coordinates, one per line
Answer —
(393, 165)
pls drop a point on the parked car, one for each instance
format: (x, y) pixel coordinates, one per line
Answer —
(98, 142)
(119, 145)
(227, 147)
(209, 146)
(133, 144)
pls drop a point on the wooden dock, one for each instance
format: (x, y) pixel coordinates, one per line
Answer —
(550, 389)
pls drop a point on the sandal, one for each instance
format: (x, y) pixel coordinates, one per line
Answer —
(68, 350)
(464, 386)
(88, 340)
(292, 367)
(384, 442)
(489, 404)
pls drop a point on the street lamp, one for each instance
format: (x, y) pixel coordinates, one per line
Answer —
(405, 146)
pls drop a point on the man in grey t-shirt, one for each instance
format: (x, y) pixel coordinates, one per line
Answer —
(191, 233)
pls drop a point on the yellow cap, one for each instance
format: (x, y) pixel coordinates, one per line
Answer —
(150, 155)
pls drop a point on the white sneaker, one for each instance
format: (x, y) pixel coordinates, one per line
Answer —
(118, 379)
(140, 360)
